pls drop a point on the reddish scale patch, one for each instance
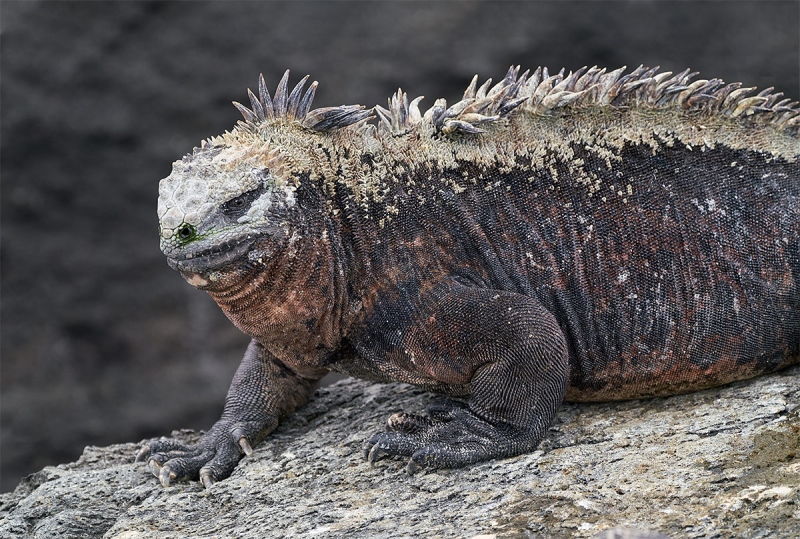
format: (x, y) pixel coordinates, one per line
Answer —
(287, 304)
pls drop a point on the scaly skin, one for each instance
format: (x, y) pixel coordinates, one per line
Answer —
(594, 237)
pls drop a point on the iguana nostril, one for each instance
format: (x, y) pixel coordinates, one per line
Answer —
(186, 232)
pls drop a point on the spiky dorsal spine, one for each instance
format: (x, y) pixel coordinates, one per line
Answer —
(541, 93)
(296, 105)
(537, 92)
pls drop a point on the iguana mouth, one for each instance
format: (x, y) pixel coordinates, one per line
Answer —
(210, 258)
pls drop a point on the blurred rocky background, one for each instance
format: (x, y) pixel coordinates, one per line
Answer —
(101, 341)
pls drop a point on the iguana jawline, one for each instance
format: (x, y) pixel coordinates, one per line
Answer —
(211, 258)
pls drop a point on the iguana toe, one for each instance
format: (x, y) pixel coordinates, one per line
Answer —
(390, 444)
(159, 446)
(375, 452)
(411, 467)
(409, 423)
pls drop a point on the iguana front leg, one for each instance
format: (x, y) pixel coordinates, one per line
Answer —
(263, 392)
(511, 354)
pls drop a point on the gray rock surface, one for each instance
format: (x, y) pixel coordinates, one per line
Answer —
(100, 341)
(717, 463)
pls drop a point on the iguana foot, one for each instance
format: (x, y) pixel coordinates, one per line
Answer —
(450, 436)
(212, 459)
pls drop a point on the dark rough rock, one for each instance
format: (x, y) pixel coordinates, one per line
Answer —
(101, 341)
(718, 463)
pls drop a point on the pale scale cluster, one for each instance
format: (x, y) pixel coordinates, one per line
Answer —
(203, 181)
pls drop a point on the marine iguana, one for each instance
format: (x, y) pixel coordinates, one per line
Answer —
(583, 236)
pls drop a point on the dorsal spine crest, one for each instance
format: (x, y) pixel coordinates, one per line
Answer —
(538, 93)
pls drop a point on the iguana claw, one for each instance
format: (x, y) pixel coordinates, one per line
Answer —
(143, 453)
(154, 466)
(245, 445)
(207, 480)
(166, 476)
(375, 453)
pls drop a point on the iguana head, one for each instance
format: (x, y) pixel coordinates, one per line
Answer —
(229, 204)
(221, 205)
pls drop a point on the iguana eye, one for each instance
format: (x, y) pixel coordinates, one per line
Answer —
(236, 207)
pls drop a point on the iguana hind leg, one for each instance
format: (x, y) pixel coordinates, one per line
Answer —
(517, 362)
